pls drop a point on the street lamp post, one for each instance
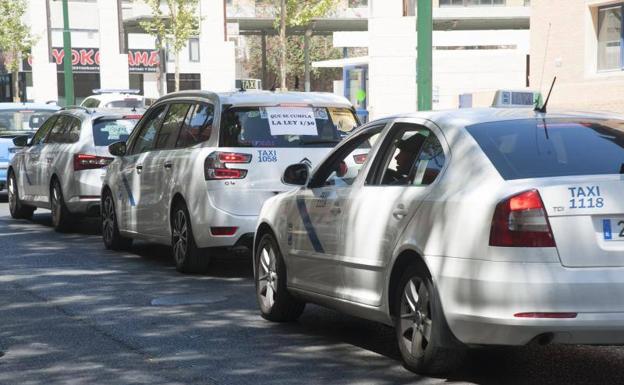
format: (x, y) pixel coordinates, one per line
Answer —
(67, 59)
(424, 31)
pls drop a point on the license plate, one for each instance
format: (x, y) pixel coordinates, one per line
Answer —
(613, 229)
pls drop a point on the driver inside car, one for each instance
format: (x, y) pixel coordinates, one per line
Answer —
(409, 149)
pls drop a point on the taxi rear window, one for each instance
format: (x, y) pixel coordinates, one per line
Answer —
(109, 131)
(537, 148)
(286, 126)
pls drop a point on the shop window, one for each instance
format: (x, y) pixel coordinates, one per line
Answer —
(187, 82)
(610, 37)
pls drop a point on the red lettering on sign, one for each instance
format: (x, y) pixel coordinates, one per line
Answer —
(86, 57)
(75, 57)
(58, 55)
(154, 59)
(97, 58)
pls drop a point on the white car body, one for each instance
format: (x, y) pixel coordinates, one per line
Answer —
(146, 184)
(345, 246)
(52, 154)
(111, 100)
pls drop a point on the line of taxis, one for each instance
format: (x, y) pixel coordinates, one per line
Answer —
(458, 228)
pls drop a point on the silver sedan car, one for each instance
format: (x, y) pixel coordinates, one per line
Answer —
(467, 227)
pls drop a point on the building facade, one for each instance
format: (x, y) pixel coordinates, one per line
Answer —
(581, 43)
(110, 50)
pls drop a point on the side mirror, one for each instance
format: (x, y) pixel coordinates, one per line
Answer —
(296, 174)
(21, 141)
(117, 149)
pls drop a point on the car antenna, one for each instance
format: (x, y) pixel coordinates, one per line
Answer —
(542, 109)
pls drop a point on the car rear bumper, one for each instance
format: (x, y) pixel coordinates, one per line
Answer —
(481, 298)
(204, 217)
(86, 187)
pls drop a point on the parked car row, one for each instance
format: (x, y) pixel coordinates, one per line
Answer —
(458, 228)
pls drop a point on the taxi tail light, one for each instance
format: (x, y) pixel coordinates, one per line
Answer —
(521, 221)
(359, 158)
(545, 315)
(215, 165)
(223, 231)
(89, 162)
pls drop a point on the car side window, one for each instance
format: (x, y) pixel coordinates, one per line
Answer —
(197, 125)
(43, 131)
(72, 134)
(410, 156)
(171, 125)
(146, 138)
(430, 162)
(343, 166)
(57, 134)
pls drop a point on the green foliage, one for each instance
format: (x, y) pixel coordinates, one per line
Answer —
(301, 12)
(321, 48)
(15, 37)
(175, 30)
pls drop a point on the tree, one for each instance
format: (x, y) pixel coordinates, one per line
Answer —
(15, 38)
(175, 30)
(296, 13)
(321, 48)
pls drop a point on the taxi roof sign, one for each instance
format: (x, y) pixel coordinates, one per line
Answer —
(516, 99)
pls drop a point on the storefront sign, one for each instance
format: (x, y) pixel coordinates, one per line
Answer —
(87, 60)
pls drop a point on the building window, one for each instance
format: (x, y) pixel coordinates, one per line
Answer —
(358, 3)
(470, 3)
(193, 49)
(169, 52)
(610, 37)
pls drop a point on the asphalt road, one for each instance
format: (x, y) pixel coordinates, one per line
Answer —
(74, 313)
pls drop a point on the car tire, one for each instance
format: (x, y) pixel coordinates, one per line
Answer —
(275, 302)
(420, 326)
(17, 209)
(113, 240)
(189, 258)
(62, 219)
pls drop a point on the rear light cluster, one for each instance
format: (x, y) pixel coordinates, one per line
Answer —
(88, 162)
(359, 158)
(223, 231)
(215, 165)
(521, 221)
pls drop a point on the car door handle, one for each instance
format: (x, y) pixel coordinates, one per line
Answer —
(168, 165)
(139, 168)
(399, 212)
(335, 210)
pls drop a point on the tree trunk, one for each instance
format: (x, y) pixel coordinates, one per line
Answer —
(16, 96)
(160, 72)
(177, 71)
(283, 45)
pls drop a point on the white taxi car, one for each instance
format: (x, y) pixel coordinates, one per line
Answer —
(61, 167)
(199, 166)
(467, 227)
(115, 98)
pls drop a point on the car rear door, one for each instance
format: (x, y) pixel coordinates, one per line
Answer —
(402, 175)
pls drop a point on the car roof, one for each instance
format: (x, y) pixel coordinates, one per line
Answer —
(265, 98)
(93, 114)
(28, 105)
(464, 117)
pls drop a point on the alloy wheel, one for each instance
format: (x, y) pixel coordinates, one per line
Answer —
(180, 236)
(108, 219)
(12, 194)
(416, 322)
(55, 204)
(267, 276)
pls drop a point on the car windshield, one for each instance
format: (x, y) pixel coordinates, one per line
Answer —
(109, 131)
(126, 103)
(22, 121)
(286, 126)
(538, 148)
